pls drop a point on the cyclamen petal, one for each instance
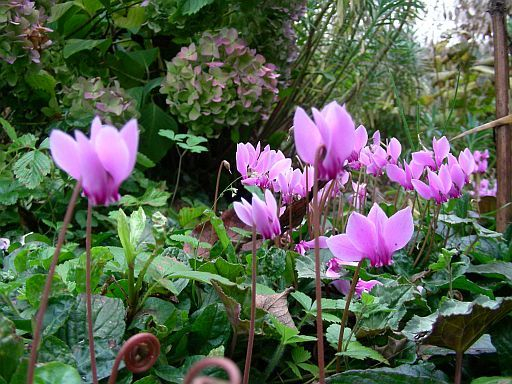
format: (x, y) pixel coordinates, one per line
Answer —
(64, 151)
(306, 135)
(398, 230)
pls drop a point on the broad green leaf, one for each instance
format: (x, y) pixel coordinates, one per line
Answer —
(404, 374)
(43, 81)
(303, 299)
(137, 225)
(210, 328)
(108, 327)
(31, 168)
(58, 10)
(11, 348)
(498, 269)
(289, 335)
(492, 380)
(73, 46)
(189, 7)
(56, 373)
(458, 325)
(355, 349)
(501, 336)
(54, 349)
(223, 268)
(90, 6)
(154, 119)
(34, 288)
(134, 19)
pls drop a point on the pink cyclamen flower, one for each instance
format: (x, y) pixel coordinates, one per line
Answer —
(260, 168)
(102, 162)
(481, 160)
(394, 150)
(404, 176)
(359, 196)
(303, 246)
(361, 286)
(375, 237)
(439, 185)
(360, 141)
(262, 214)
(332, 128)
(467, 163)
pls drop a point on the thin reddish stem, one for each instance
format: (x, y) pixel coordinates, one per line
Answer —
(48, 284)
(344, 318)
(458, 367)
(318, 281)
(250, 342)
(226, 364)
(139, 353)
(88, 293)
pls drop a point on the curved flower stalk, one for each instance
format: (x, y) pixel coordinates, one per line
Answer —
(139, 353)
(375, 237)
(102, 162)
(330, 124)
(226, 364)
(263, 217)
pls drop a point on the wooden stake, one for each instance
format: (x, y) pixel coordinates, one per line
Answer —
(503, 136)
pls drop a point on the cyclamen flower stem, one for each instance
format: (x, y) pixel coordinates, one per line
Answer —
(139, 353)
(421, 219)
(458, 367)
(227, 365)
(216, 198)
(88, 293)
(431, 227)
(48, 284)
(250, 341)
(318, 288)
(344, 318)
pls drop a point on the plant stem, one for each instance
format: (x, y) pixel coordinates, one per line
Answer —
(318, 288)
(276, 357)
(217, 187)
(48, 284)
(132, 300)
(88, 293)
(458, 367)
(178, 176)
(345, 312)
(250, 342)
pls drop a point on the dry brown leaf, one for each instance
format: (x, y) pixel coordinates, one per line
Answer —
(277, 305)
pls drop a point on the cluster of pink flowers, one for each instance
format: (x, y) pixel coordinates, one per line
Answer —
(341, 148)
(485, 189)
(435, 174)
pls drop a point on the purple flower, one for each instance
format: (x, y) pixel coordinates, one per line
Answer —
(262, 214)
(394, 150)
(358, 197)
(361, 286)
(360, 141)
(481, 160)
(375, 237)
(303, 246)
(441, 149)
(260, 168)
(332, 128)
(4, 244)
(467, 163)
(439, 185)
(404, 176)
(102, 162)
